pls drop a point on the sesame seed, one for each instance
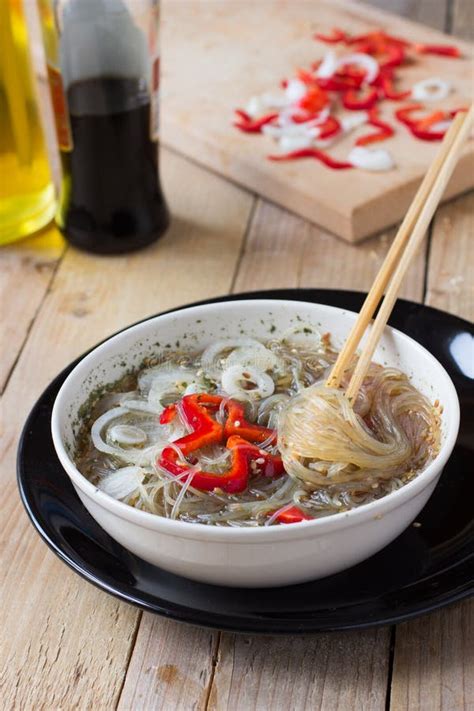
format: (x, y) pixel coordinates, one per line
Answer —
(237, 423)
(260, 460)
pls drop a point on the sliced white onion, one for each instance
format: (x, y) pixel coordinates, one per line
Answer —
(98, 426)
(210, 360)
(433, 89)
(260, 357)
(331, 63)
(353, 120)
(295, 90)
(142, 406)
(441, 125)
(234, 377)
(304, 334)
(255, 107)
(122, 482)
(128, 435)
(165, 381)
(328, 66)
(376, 160)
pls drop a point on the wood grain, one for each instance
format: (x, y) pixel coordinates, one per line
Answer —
(64, 644)
(450, 274)
(26, 271)
(434, 659)
(283, 250)
(321, 672)
(170, 668)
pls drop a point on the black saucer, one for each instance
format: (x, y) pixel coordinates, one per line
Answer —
(426, 568)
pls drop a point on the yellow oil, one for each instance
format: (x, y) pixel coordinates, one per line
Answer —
(27, 200)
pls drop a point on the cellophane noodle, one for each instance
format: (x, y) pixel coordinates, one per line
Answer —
(336, 456)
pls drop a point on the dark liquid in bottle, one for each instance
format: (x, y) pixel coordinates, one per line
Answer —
(111, 197)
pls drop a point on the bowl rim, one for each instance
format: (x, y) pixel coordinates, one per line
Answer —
(183, 529)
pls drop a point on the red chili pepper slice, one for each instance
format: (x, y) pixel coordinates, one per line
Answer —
(168, 414)
(293, 515)
(404, 114)
(395, 56)
(389, 92)
(195, 411)
(334, 38)
(313, 153)
(329, 128)
(354, 102)
(236, 424)
(385, 130)
(235, 479)
(249, 125)
(443, 50)
(315, 99)
(430, 120)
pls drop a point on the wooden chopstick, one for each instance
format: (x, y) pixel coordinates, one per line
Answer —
(400, 255)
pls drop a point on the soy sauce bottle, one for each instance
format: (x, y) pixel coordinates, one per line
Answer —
(103, 69)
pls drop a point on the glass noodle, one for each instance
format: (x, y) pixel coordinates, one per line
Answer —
(360, 454)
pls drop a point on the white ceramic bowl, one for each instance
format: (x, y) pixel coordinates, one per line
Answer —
(251, 557)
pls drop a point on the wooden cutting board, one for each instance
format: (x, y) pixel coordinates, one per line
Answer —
(217, 54)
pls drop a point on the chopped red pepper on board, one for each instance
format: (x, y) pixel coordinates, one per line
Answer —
(313, 153)
(250, 125)
(344, 82)
(315, 99)
(334, 38)
(443, 50)
(389, 92)
(293, 515)
(355, 102)
(385, 130)
(329, 128)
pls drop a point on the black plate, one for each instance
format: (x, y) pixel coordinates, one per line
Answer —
(426, 568)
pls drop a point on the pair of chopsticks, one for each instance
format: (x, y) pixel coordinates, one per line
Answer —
(400, 256)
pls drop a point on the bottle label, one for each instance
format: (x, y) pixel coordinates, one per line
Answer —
(155, 101)
(61, 113)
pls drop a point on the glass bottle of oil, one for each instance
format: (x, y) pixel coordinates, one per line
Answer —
(26, 191)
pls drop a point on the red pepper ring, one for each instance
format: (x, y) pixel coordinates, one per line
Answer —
(312, 153)
(195, 411)
(249, 125)
(356, 102)
(236, 478)
(197, 406)
(236, 424)
(293, 515)
(386, 131)
(443, 50)
(334, 38)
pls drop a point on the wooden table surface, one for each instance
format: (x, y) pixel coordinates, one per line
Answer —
(65, 645)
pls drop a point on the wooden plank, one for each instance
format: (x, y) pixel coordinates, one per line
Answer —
(450, 277)
(322, 672)
(462, 23)
(434, 659)
(170, 668)
(64, 644)
(427, 12)
(276, 38)
(283, 250)
(26, 270)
